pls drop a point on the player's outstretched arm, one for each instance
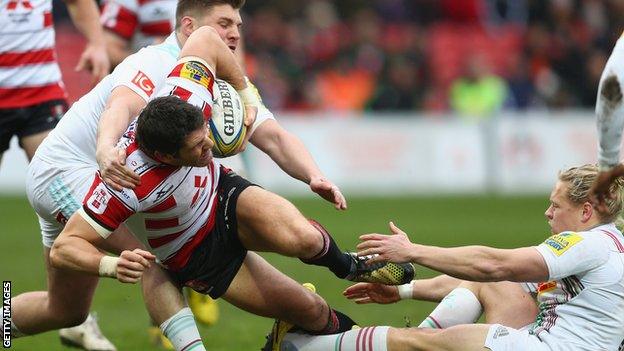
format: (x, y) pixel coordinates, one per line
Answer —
(474, 263)
(289, 152)
(86, 17)
(76, 249)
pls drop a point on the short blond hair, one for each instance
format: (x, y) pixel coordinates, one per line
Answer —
(580, 180)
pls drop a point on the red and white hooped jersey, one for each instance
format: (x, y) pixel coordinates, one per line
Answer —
(174, 207)
(29, 72)
(142, 22)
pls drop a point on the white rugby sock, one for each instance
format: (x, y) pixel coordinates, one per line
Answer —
(460, 306)
(182, 331)
(365, 339)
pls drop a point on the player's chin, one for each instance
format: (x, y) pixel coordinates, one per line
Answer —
(204, 160)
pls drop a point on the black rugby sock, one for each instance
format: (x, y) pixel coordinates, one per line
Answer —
(330, 256)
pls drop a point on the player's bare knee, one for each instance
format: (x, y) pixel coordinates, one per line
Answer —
(414, 339)
(610, 91)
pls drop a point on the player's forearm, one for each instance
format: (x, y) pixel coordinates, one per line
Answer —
(288, 152)
(206, 44)
(86, 18)
(71, 252)
(113, 123)
(474, 263)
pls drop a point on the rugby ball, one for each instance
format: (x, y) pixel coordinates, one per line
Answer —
(227, 128)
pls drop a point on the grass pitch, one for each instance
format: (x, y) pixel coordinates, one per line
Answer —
(444, 221)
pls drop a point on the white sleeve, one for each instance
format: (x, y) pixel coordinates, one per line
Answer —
(143, 72)
(570, 253)
(609, 108)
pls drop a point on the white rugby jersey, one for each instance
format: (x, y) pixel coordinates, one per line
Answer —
(173, 208)
(582, 306)
(29, 72)
(610, 115)
(142, 22)
(73, 141)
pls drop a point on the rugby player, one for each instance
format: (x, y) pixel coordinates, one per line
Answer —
(200, 218)
(579, 273)
(60, 174)
(33, 97)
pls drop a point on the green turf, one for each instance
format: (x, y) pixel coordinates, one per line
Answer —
(445, 221)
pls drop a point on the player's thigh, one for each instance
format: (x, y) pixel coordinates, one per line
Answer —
(55, 193)
(268, 222)
(30, 143)
(261, 289)
(506, 303)
(70, 293)
(469, 337)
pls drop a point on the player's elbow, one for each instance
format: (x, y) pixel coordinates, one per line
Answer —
(492, 271)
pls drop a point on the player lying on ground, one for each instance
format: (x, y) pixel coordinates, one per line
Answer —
(202, 233)
(579, 273)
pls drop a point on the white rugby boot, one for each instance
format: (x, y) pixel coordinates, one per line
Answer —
(86, 336)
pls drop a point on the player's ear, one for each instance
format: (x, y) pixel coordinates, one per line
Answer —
(188, 25)
(588, 211)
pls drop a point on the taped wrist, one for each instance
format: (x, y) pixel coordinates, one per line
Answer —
(406, 291)
(249, 96)
(108, 266)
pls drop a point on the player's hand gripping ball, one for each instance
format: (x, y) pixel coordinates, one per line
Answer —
(227, 129)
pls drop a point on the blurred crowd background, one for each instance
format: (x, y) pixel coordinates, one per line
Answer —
(472, 57)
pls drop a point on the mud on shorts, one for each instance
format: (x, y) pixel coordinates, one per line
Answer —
(30, 120)
(502, 338)
(216, 260)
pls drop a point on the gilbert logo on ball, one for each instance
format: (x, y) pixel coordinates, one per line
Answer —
(227, 129)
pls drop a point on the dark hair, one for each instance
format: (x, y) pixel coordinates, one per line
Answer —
(199, 7)
(164, 124)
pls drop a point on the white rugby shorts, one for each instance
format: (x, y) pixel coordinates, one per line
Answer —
(502, 338)
(56, 192)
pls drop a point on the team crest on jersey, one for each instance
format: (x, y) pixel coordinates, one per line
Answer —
(561, 243)
(196, 72)
(99, 199)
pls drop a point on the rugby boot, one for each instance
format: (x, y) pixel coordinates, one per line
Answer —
(205, 309)
(158, 339)
(86, 336)
(382, 273)
(281, 328)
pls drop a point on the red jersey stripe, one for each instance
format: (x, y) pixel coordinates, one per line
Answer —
(15, 59)
(168, 204)
(22, 97)
(155, 224)
(160, 28)
(181, 257)
(124, 24)
(152, 179)
(618, 244)
(48, 20)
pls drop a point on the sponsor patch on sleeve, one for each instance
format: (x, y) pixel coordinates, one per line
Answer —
(99, 199)
(143, 82)
(561, 243)
(194, 71)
